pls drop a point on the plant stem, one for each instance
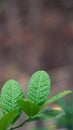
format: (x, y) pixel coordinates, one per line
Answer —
(25, 121)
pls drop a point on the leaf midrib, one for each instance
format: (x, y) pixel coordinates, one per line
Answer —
(37, 97)
(12, 96)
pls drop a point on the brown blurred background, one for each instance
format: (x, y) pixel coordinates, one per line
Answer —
(34, 35)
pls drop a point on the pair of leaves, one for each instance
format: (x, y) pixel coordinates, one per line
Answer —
(7, 119)
(38, 91)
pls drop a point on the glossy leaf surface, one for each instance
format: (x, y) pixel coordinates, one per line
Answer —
(28, 107)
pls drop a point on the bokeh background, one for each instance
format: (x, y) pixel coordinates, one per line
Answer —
(37, 35)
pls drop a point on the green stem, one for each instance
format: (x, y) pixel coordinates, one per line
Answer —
(25, 121)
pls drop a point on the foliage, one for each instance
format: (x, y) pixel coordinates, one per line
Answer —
(13, 101)
(66, 120)
(10, 92)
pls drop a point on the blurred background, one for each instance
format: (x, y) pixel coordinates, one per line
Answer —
(34, 35)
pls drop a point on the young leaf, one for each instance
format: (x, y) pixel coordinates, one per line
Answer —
(7, 119)
(39, 87)
(10, 93)
(56, 97)
(28, 107)
(48, 114)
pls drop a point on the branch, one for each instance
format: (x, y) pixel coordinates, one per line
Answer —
(25, 121)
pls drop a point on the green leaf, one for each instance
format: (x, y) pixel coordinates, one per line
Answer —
(1, 114)
(56, 97)
(10, 93)
(39, 87)
(28, 107)
(71, 99)
(0, 101)
(7, 119)
(48, 114)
